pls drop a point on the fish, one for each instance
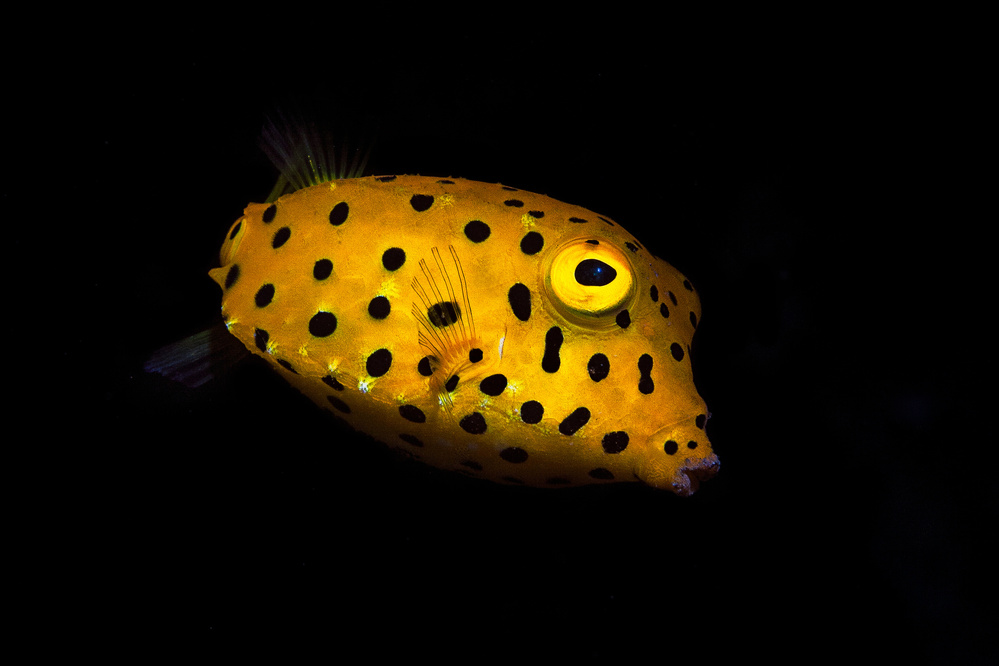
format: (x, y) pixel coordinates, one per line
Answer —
(476, 327)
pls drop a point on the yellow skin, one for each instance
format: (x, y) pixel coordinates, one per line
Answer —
(603, 420)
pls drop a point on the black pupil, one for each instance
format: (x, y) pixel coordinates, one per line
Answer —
(594, 273)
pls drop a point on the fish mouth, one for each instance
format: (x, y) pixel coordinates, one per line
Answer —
(679, 460)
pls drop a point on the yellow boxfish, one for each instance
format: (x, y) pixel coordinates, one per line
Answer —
(479, 328)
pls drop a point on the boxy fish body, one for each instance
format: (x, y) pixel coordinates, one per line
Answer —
(480, 329)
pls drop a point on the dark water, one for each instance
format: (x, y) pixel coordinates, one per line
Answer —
(852, 514)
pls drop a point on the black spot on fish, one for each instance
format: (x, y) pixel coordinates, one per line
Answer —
(393, 258)
(410, 439)
(477, 231)
(379, 307)
(322, 324)
(264, 295)
(532, 411)
(322, 269)
(443, 314)
(623, 319)
(574, 421)
(645, 383)
(615, 442)
(513, 454)
(331, 381)
(677, 351)
(260, 338)
(520, 301)
(553, 342)
(421, 202)
(378, 362)
(339, 404)
(270, 213)
(493, 385)
(233, 275)
(473, 424)
(412, 413)
(532, 243)
(281, 237)
(598, 367)
(339, 214)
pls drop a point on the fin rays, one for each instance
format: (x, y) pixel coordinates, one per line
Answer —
(305, 156)
(452, 337)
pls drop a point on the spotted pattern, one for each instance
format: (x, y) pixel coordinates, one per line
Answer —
(421, 202)
(532, 243)
(473, 424)
(379, 307)
(645, 383)
(322, 269)
(322, 324)
(477, 231)
(493, 385)
(281, 237)
(514, 455)
(339, 214)
(264, 296)
(553, 342)
(519, 297)
(503, 411)
(572, 423)
(615, 442)
(532, 411)
(412, 413)
(379, 362)
(598, 367)
(338, 404)
(393, 258)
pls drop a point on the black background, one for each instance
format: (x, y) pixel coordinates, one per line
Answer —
(794, 182)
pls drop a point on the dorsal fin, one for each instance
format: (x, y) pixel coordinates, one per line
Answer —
(306, 156)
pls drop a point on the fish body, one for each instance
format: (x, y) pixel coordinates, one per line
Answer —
(479, 328)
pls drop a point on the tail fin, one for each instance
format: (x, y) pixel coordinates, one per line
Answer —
(198, 359)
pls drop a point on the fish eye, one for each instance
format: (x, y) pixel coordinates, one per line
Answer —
(588, 282)
(594, 273)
